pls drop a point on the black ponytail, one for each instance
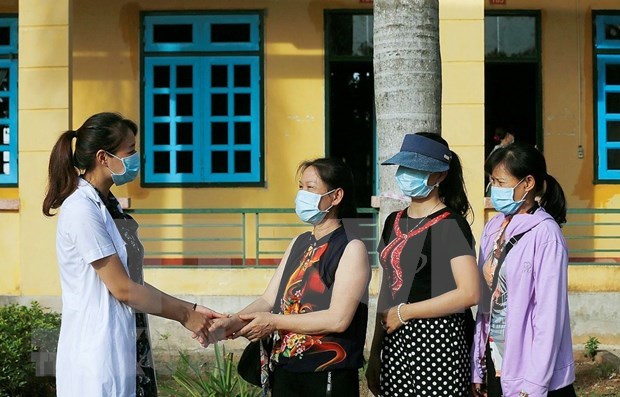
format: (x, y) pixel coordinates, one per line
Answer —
(62, 173)
(521, 160)
(102, 131)
(452, 190)
(553, 200)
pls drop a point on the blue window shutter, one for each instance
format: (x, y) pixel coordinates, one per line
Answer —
(602, 42)
(157, 100)
(8, 120)
(232, 148)
(226, 98)
(607, 54)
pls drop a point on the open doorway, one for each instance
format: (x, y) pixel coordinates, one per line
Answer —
(351, 123)
(349, 97)
(512, 78)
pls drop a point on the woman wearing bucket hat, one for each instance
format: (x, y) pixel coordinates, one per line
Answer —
(422, 333)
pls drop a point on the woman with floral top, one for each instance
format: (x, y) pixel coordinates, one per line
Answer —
(315, 305)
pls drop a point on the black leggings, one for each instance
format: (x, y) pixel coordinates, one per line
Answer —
(494, 386)
(343, 383)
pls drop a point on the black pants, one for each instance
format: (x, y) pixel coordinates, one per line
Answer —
(343, 383)
(494, 386)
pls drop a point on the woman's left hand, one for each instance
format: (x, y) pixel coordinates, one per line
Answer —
(391, 322)
(261, 324)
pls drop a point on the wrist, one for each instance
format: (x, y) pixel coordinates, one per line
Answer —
(235, 319)
(408, 312)
(186, 313)
(274, 321)
(401, 312)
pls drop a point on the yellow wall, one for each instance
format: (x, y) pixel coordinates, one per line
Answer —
(461, 31)
(103, 74)
(108, 64)
(44, 108)
(104, 51)
(567, 75)
(9, 265)
(294, 104)
(568, 121)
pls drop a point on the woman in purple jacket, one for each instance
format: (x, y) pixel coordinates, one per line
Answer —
(522, 346)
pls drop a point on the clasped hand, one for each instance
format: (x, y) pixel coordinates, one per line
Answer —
(253, 326)
(200, 321)
(261, 324)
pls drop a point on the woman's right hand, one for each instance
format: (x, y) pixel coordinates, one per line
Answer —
(372, 374)
(479, 390)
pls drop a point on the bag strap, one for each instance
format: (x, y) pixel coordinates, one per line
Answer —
(502, 257)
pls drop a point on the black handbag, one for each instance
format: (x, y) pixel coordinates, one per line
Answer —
(249, 363)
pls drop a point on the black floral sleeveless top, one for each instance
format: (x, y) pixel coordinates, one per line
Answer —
(306, 286)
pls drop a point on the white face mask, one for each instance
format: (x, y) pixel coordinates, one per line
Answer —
(307, 206)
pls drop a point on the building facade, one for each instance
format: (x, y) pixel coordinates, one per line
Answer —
(232, 95)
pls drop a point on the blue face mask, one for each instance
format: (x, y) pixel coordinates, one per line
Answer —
(413, 183)
(502, 199)
(307, 206)
(132, 168)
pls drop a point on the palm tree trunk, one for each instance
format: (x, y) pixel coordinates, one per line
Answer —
(407, 65)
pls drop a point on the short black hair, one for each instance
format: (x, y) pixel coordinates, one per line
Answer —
(335, 173)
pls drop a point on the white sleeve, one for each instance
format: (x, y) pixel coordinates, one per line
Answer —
(87, 230)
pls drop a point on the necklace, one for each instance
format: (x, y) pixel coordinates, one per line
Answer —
(421, 220)
(324, 233)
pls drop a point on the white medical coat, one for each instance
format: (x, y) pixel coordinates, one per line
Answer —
(97, 345)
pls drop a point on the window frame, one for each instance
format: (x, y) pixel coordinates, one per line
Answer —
(202, 53)
(604, 53)
(9, 60)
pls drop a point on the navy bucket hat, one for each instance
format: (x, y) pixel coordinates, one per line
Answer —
(421, 153)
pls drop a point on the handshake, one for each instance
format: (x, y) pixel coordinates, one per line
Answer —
(209, 326)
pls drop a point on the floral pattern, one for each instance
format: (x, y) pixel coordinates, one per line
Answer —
(305, 280)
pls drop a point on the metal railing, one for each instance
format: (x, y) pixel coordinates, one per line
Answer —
(230, 236)
(593, 236)
(259, 236)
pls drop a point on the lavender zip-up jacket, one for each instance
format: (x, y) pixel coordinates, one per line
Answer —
(538, 354)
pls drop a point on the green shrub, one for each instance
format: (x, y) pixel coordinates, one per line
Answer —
(591, 347)
(28, 339)
(197, 380)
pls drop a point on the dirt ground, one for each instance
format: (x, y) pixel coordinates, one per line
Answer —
(596, 378)
(593, 378)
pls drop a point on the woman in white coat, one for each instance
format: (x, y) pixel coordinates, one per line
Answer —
(104, 346)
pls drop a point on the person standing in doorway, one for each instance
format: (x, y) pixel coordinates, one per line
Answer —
(502, 138)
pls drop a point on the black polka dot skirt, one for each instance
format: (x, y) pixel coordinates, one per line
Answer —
(426, 357)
